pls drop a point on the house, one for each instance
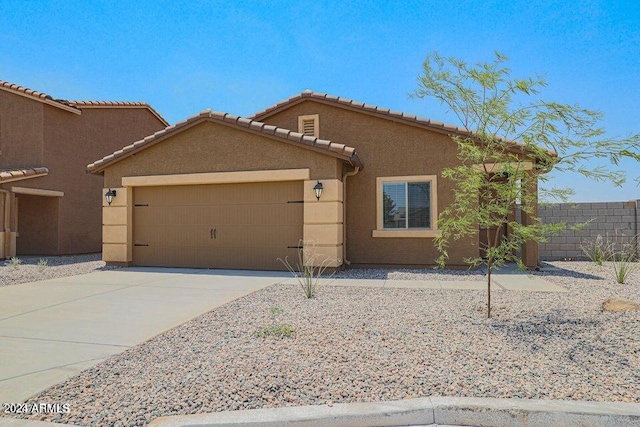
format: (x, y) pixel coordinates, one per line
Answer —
(221, 191)
(49, 204)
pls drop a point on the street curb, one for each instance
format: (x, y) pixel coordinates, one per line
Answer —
(467, 411)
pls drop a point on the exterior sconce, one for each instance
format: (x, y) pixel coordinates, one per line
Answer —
(318, 190)
(109, 195)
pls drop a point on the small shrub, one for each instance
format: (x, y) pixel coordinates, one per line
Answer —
(309, 267)
(598, 251)
(623, 260)
(14, 262)
(275, 330)
(42, 265)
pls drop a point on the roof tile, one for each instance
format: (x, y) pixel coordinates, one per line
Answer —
(8, 175)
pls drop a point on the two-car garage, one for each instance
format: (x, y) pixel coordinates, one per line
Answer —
(236, 226)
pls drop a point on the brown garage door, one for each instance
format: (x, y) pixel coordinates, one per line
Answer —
(237, 226)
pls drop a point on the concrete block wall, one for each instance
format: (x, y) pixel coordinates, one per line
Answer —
(618, 221)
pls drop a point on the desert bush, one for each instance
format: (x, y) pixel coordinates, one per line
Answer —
(598, 251)
(309, 268)
(13, 262)
(623, 259)
(277, 330)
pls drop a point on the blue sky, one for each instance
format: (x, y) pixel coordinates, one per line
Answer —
(240, 57)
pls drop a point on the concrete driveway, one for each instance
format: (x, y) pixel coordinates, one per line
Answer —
(53, 329)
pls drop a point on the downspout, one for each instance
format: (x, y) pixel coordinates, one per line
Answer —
(7, 214)
(344, 211)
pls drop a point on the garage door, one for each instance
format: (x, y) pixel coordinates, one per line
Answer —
(236, 226)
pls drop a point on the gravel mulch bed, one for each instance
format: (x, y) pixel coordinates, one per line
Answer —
(368, 344)
(56, 266)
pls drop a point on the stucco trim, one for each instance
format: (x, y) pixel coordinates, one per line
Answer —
(37, 192)
(380, 231)
(217, 178)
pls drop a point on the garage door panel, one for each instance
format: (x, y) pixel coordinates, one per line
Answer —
(229, 236)
(220, 194)
(219, 215)
(201, 257)
(247, 226)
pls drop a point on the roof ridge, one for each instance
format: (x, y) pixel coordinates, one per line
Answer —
(340, 150)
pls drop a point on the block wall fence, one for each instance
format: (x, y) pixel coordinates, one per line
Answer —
(613, 220)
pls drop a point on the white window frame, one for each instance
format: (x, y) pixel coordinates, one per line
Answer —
(380, 231)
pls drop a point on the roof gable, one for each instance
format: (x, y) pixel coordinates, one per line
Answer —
(322, 146)
(75, 107)
(362, 107)
(384, 113)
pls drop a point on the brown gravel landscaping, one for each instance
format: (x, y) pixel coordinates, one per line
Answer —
(28, 270)
(368, 344)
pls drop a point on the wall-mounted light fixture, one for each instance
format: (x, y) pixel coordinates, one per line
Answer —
(109, 195)
(318, 190)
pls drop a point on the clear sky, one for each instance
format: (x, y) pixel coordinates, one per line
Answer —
(239, 57)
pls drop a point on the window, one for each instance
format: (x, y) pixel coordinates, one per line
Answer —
(406, 206)
(309, 125)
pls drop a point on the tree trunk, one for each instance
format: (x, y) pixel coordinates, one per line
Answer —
(489, 266)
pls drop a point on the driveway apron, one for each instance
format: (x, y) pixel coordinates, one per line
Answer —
(53, 329)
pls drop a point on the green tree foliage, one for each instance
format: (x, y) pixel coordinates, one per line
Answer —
(511, 140)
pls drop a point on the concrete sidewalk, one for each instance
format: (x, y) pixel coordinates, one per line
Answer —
(500, 282)
(53, 329)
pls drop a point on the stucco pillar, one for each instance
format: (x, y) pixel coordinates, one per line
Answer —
(117, 231)
(530, 254)
(323, 223)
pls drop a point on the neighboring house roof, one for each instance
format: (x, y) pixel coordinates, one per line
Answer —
(9, 175)
(74, 106)
(38, 96)
(323, 146)
(117, 104)
(371, 109)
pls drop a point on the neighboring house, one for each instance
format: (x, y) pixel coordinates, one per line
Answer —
(49, 204)
(221, 191)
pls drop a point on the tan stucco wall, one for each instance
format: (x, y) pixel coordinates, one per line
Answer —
(212, 147)
(387, 149)
(21, 131)
(65, 143)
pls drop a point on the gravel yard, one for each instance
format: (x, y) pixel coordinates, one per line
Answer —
(29, 269)
(367, 344)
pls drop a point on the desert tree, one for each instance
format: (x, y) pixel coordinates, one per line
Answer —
(510, 141)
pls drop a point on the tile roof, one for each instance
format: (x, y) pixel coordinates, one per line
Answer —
(75, 106)
(340, 151)
(39, 96)
(369, 108)
(399, 116)
(9, 175)
(117, 104)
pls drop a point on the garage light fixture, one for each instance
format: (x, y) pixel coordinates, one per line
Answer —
(318, 190)
(109, 195)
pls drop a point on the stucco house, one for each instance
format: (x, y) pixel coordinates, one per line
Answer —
(222, 191)
(49, 204)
